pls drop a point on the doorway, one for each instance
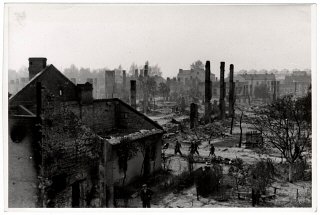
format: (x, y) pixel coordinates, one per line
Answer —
(76, 194)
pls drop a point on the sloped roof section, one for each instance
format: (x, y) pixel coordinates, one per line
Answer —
(53, 80)
(140, 114)
(154, 123)
(12, 98)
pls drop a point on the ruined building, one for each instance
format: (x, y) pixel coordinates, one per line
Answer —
(67, 149)
(296, 84)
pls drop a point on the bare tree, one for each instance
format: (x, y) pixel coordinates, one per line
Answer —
(284, 126)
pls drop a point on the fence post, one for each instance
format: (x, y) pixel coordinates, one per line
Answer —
(297, 195)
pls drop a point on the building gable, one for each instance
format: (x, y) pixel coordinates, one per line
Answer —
(53, 81)
(132, 119)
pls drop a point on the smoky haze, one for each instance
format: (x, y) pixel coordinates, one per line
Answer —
(171, 36)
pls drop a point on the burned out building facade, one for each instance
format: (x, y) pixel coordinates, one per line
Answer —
(67, 149)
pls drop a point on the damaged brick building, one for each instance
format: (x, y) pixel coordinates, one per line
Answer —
(68, 150)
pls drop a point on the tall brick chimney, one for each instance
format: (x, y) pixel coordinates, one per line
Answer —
(207, 93)
(133, 94)
(193, 115)
(231, 91)
(145, 91)
(146, 68)
(125, 97)
(222, 91)
(36, 64)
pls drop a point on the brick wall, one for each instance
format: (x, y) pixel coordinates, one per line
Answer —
(70, 153)
(100, 116)
(128, 118)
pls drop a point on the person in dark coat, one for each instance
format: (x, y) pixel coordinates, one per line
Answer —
(190, 162)
(145, 195)
(177, 148)
(212, 150)
(194, 148)
(202, 180)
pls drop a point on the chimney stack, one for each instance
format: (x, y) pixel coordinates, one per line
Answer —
(109, 84)
(222, 105)
(275, 85)
(36, 64)
(85, 93)
(124, 78)
(124, 86)
(146, 68)
(193, 115)
(207, 93)
(231, 91)
(145, 93)
(133, 94)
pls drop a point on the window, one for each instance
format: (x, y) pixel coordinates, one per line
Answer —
(153, 152)
(124, 115)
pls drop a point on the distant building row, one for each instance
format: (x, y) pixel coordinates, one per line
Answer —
(246, 85)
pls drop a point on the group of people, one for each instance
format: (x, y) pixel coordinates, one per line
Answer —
(146, 192)
(193, 149)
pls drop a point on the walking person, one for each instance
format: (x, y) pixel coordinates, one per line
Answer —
(212, 150)
(145, 195)
(190, 162)
(195, 147)
(177, 148)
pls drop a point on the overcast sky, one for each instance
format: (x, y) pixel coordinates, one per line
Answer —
(172, 36)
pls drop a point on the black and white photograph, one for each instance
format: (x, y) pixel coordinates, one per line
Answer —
(149, 105)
